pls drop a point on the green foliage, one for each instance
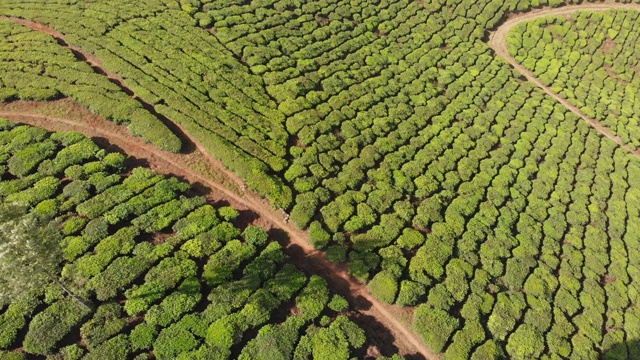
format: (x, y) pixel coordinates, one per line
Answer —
(14, 355)
(15, 317)
(73, 225)
(505, 313)
(118, 276)
(106, 322)
(258, 307)
(392, 357)
(220, 267)
(410, 239)
(50, 326)
(337, 253)
(488, 350)
(161, 192)
(407, 144)
(110, 257)
(164, 276)
(31, 253)
(313, 298)
(273, 341)
(182, 301)
(384, 286)
(142, 336)
(96, 230)
(174, 340)
(355, 336)
(223, 332)
(304, 209)
(434, 325)
(115, 161)
(228, 213)
(318, 236)
(255, 235)
(67, 138)
(225, 232)
(72, 352)
(410, 293)
(115, 348)
(197, 222)
(286, 282)
(338, 303)
(164, 215)
(40, 191)
(361, 263)
(202, 245)
(332, 342)
(525, 343)
(27, 159)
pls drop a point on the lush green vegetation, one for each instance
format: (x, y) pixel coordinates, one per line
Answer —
(590, 59)
(195, 81)
(33, 66)
(223, 88)
(393, 134)
(165, 271)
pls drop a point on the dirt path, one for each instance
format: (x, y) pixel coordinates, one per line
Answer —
(305, 256)
(498, 42)
(303, 253)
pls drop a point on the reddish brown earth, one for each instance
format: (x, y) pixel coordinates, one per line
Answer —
(380, 319)
(390, 331)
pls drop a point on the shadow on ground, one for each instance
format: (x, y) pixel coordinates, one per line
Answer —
(629, 350)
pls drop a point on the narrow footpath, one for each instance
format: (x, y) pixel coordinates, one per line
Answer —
(498, 42)
(301, 251)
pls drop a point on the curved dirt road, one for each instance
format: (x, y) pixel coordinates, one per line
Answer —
(305, 256)
(498, 42)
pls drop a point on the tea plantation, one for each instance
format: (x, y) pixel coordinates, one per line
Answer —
(167, 273)
(388, 129)
(590, 59)
(35, 67)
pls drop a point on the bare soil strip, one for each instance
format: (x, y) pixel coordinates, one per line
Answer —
(375, 314)
(307, 257)
(299, 248)
(392, 332)
(498, 42)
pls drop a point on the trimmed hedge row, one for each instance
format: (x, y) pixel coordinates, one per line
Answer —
(168, 257)
(52, 325)
(15, 317)
(61, 74)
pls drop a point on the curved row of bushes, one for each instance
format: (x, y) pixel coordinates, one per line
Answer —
(167, 273)
(590, 60)
(36, 68)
